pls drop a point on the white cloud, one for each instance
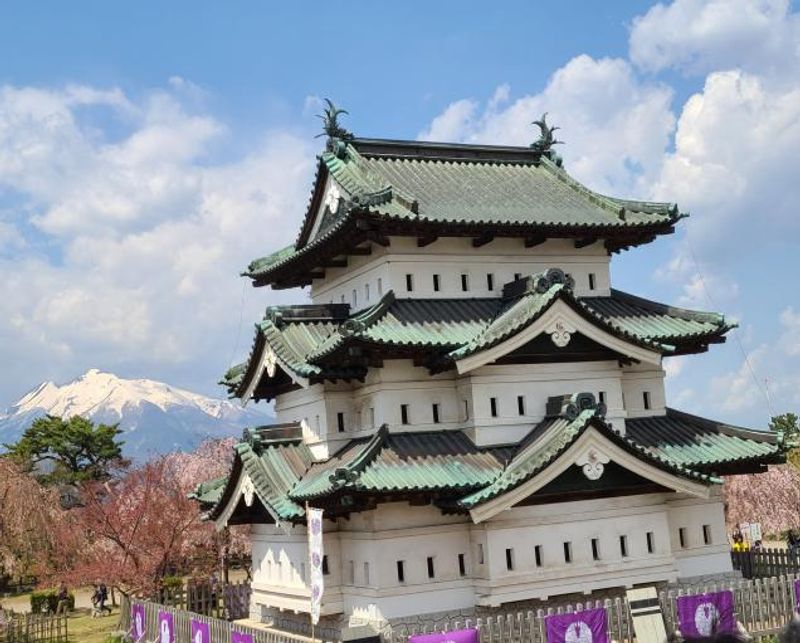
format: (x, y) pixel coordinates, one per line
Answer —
(616, 128)
(701, 36)
(138, 237)
(735, 163)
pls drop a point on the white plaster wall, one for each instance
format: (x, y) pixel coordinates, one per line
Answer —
(398, 531)
(695, 557)
(451, 257)
(639, 379)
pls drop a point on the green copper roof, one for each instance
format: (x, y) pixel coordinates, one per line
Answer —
(702, 444)
(315, 341)
(450, 467)
(392, 463)
(409, 186)
(208, 493)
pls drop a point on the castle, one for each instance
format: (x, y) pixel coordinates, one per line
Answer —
(479, 413)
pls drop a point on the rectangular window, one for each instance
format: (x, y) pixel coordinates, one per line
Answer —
(537, 555)
(490, 281)
(404, 413)
(591, 281)
(401, 571)
(410, 282)
(435, 410)
(366, 573)
(435, 283)
(480, 553)
(707, 534)
(567, 552)
(682, 537)
(355, 298)
(623, 546)
(601, 397)
(380, 286)
(340, 421)
(521, 404)
(431, 569)
(342, 297)
(651, 542)
(464, 282)
(372, 416)
(509, 559)
(493, 406)
(366, 292)
(646, 400)
(517, 276)
(325, 569)
(351, 572)
(462, 565)
(595, 549)
(466, 409)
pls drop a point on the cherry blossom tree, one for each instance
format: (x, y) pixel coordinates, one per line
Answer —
(771, 498)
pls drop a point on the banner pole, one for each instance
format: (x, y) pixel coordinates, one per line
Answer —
(311, 598)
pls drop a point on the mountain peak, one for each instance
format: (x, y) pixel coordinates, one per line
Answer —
(156, 417)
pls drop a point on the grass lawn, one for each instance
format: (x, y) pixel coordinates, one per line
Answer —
(85, 629)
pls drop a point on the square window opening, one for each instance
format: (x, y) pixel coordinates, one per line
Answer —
(436, 283)
(410, 283)
(651, 542)
(462, 565)
(431, 568)
(493, 406)
(340, 421)
(601, 396)
(464, 282)
(646, 400)
(623, 546)
(567, 552)
(325, 569)
(537, 555)
(404, 414)
(401, 571)
(592, 283)
(490, 282)
(682, 537)
(521, 404)
(435, 412)
(707, 534)
(517, 276)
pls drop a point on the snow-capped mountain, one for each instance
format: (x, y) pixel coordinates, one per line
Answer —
(155, 417)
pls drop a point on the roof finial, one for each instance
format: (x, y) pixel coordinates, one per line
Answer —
(330, 124)
(546, 138)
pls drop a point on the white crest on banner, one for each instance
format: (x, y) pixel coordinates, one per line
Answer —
(315, 555)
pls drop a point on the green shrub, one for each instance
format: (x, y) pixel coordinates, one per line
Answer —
(118, 637)
(172, 582)
(47, 600)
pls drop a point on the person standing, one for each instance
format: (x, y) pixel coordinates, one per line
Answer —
(62, 606)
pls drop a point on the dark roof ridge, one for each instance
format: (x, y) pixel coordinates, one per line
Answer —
(676, 311)
(722, 427)
(307, 312)
(375, 147)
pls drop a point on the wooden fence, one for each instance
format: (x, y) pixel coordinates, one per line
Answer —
(229, 601)
(33, 628)
(763, 606)
(219, 628)
(766, 562)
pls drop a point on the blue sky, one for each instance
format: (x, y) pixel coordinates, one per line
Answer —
(147, 152)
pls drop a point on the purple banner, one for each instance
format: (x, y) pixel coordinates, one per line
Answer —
(706, 614)
(588, 626)
(241, 637)
(456, 636)
(201, 632)
(166, 627)
(138, 628)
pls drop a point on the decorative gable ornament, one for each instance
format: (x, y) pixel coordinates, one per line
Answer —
(592, 463)
(248, 490)
(560, 331)
(333, 198)
(270, 361)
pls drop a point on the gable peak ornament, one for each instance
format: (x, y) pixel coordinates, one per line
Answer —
(546, 139)
(331, 128)
(593, 464)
